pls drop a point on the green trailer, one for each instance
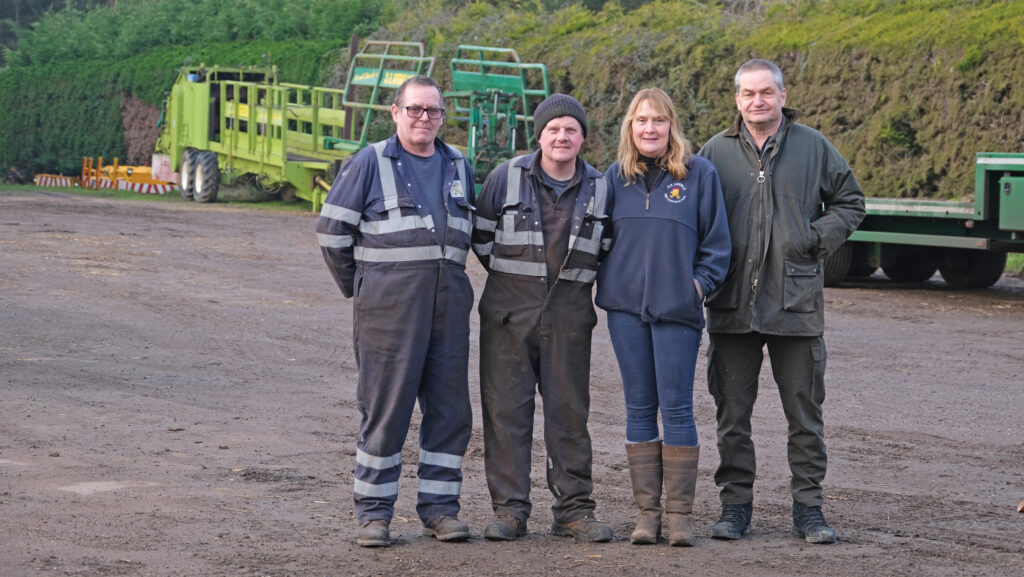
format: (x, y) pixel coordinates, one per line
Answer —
(221, 124)
(966, 242)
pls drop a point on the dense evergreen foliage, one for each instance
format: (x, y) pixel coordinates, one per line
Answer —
(908, 89)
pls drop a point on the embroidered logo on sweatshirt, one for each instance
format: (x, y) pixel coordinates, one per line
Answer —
(676, 193)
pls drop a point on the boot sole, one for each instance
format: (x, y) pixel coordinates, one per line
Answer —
(729, 535)
(373, 542)
(643, 540)
(827, 540)
(560, 531)
(446, 537)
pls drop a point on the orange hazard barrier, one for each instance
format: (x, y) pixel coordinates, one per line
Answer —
(137, 178)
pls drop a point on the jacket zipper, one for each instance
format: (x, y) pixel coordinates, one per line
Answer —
(650, 189)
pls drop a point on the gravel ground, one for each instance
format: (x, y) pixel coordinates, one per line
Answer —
(178, 400)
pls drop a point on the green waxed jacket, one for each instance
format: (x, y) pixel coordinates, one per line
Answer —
(783, 226)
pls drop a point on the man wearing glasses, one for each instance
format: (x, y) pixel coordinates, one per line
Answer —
(395, 232)
(539, 231)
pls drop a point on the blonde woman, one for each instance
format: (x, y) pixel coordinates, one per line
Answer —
(670, 248)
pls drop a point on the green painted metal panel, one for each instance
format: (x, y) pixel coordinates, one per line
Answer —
(1011, 203)
(919, 239)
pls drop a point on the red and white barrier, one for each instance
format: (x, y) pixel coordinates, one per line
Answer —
(54, 180)
(139, 187)
(146, 188)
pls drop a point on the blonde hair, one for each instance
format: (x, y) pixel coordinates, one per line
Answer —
(679, 150)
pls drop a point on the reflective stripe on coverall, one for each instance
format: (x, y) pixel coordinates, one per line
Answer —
(536, 338)
(412, 301)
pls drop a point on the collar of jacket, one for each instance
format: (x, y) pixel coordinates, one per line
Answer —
(393, 148)
(791, 115)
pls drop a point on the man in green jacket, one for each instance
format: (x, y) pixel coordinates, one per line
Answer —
(791, 200)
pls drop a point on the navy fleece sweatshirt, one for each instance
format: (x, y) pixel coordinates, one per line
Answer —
(663, 239)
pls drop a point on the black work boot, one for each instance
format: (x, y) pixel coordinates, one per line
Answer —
(505, 528)
(809, 523)
(734, 522)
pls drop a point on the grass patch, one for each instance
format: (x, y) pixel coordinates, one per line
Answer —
(1015, 263)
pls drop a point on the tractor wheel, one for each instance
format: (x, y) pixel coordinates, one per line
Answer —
(967, 269)
(188, 173)
(908, 263)
(207, 179)
(837, 264)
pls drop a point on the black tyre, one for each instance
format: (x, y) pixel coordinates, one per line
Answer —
(863, 264)
(837, 264)
(207, 180)
(188, 173)
(967, 269)
(908, 263)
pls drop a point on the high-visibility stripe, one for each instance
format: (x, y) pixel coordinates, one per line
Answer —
(483, 249)
(440, 487)
(519, 237)
(458, 255)
(587, 245)
(600, 196)
(428, 221)
(387, 177)
(391, 225)
(371, 490)
(485, 224)
(379, 463)
(440, 459)
(405, 254)
(537, 269)
(334, 240)
(515, 176)
(578, 275)
(341, 213)
(460, 224)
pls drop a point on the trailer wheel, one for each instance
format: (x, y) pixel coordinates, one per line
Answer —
(966, 268)
(837, 264)
(207, 179)
(908, 263)
(188, 173)
(862, 265)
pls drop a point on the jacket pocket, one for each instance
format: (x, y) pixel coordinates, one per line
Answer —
(511, 239)
(727, 296)
(803, 284)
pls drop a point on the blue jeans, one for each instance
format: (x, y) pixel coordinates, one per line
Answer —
(657, 362)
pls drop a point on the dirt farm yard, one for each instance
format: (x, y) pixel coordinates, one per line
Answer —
(177, 398)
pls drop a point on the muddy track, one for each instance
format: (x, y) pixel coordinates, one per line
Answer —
(178, 387)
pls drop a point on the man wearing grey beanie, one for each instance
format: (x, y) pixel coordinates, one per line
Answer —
(539, 232)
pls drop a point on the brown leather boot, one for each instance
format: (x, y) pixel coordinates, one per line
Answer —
(645, 472)
(680, 471)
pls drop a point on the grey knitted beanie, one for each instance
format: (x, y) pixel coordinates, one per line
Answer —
(555, 106)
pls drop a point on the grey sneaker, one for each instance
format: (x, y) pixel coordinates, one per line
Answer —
(584, 529)
(809, 523)
(734, 522)
(505, 528)
(374, 533)
(447, 528)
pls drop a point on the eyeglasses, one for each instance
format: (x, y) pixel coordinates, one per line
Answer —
(417, 111)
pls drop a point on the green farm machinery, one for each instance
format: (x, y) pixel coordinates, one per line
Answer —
(222, 124)
(966, 242)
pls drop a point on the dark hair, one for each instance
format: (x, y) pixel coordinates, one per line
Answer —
(760, 64)
(419, 81)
